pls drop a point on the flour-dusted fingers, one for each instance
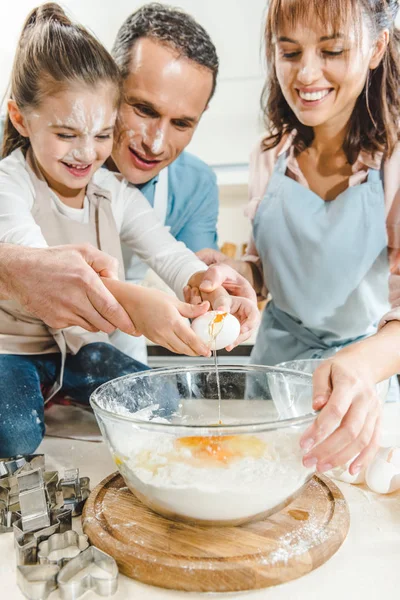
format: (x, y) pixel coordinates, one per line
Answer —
(341, 458)
(349, 440)
(329, 418)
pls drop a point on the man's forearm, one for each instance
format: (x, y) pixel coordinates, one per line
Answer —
(10, 254)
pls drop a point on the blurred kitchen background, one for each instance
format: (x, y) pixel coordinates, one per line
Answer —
(231, 125)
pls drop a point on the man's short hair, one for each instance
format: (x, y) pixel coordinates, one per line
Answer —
(171, 27)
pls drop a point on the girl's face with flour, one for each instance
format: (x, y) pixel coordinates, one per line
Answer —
(64, 95)
(71, 135)
(322, 67)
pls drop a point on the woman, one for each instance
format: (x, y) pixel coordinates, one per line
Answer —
(324, 204)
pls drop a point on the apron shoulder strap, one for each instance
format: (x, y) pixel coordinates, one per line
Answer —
(375, 175)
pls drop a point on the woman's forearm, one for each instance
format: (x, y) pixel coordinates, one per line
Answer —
(379, 354)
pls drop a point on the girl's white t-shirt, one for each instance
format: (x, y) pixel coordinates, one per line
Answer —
(136, 221)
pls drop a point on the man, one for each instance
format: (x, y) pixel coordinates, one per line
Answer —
(169, 67)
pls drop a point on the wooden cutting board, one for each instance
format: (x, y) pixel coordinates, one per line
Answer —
(175, 555)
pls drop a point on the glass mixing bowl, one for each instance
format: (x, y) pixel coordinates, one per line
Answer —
(190, 457)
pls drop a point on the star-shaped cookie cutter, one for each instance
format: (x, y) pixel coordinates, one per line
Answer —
(91, 570)
(26, 544)
(60, 548)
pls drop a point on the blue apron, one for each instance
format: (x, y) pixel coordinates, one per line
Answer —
(325, 265)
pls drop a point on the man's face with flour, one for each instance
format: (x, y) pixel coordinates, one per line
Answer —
(164, 97)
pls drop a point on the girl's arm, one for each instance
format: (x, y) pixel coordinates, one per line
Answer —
(162, 318)
(347, 426)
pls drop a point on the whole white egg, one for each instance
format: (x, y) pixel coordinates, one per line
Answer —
(222, 327)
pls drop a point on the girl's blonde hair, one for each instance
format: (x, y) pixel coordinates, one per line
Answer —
(374, 124)
(53, 53)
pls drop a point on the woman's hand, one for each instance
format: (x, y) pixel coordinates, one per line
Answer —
(348, 424)
(162, 318)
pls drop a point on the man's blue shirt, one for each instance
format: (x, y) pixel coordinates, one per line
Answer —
(192, 211)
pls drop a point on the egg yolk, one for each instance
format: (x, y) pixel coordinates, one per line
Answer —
(222, 449)
(213, 331)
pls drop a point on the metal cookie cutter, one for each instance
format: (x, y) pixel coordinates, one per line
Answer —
(92, 570)
(8, 466)
(60, 548)
(32, 500)
(36, 583)
(51, 484)
(26, 544)
(75, 490)
(7, 519)
(9, 493)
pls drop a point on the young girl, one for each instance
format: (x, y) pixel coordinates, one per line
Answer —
(325, 206)
(65, 92)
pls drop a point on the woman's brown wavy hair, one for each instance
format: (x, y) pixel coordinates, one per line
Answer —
(374, 123)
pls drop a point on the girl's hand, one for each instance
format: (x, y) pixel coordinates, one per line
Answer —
(162, 318)
(348, 424)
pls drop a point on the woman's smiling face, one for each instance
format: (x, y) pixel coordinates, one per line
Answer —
(322, 71)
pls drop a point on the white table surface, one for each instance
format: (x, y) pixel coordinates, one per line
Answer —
(366, 567)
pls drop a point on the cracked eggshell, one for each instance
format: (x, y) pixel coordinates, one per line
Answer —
(229, 329)
(383, 474)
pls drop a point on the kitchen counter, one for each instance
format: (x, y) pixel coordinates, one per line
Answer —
(366, 567)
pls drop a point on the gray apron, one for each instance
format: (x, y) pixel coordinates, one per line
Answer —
(325, 265)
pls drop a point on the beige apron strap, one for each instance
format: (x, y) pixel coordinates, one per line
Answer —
(102, 219)
(61, 343)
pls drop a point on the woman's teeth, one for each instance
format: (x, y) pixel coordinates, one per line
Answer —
(313, 96)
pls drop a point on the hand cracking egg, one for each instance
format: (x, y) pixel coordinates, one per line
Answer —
(217, 329)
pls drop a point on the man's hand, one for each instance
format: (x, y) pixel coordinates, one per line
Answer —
(225, 289)
(61, 286)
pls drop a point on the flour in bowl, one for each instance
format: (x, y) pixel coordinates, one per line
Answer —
(228, 478)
